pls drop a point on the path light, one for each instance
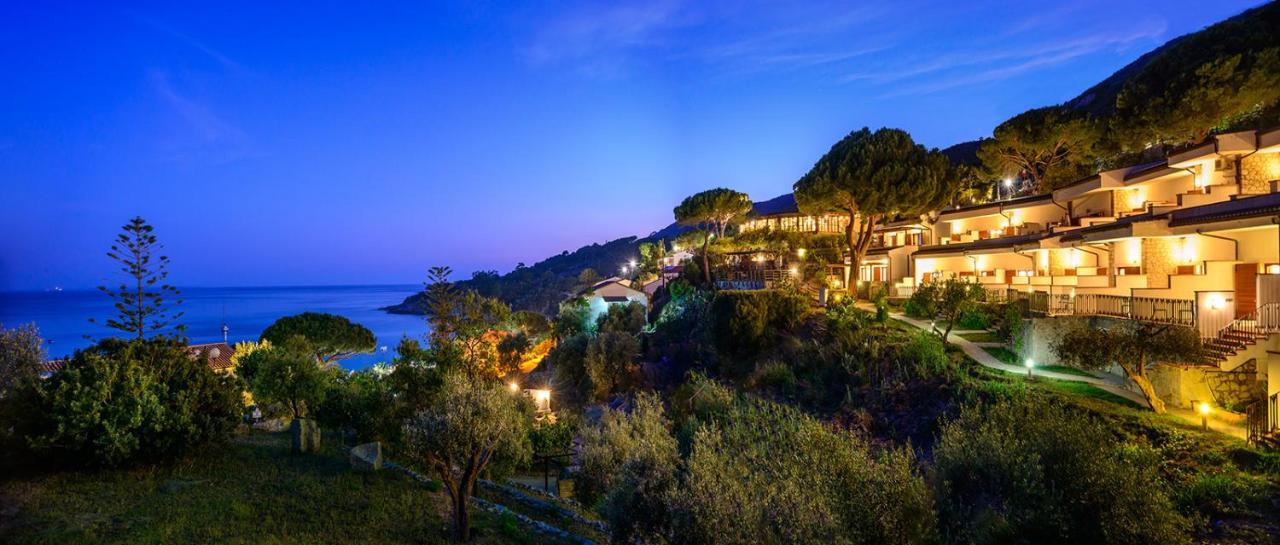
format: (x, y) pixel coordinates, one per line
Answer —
(1030, 363)
(632, 263)
(794, 271)
(1204, 415)
(515, 386)
(800, 252)
(624, 269)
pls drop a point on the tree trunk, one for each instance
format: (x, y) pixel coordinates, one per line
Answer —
(706, 263)
(462, 516)
(851, 271)
(1148, 391)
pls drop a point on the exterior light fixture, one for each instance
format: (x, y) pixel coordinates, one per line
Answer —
(1215, 302)
(1030, 365)
(800, 252)
(794, 271)
(1204, 415)
(541, 400)
(1273, 269)
(514, 386)
(1008, 182)
(632, 263)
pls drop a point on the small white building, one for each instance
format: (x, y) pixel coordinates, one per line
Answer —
(612, 291)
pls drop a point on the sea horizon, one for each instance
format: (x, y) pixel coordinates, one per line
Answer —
(62, 316)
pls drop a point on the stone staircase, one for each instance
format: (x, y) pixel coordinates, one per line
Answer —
(1243, 333)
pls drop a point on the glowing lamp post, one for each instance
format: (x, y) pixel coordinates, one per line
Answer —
(514, 386)
(1030, 365)
(541, 400)
(800, 253)
(1204, 415)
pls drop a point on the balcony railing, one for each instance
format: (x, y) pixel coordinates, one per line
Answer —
(1142, 309)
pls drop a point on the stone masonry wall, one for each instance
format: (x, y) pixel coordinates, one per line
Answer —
(1258, 171)
(1158, 261)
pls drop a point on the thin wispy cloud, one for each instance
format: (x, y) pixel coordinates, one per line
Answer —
(184, 38)
(206, 134)
(734, 37)
(964, 68)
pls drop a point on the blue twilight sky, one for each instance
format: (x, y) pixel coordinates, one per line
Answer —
(325, 143)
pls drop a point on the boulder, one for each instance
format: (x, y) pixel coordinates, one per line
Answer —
(366, 457)
(305, 435)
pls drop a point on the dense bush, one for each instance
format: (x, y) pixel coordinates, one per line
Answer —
(745, 322)
(21, 358)
(618, 438)
(363, 406)
(629, 318)
(1024, 471)
(753, 472)
(288, 375)
(1011, 325)
(770, 474)
(121, 402)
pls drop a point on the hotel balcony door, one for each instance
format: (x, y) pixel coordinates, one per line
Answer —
(1246, 288)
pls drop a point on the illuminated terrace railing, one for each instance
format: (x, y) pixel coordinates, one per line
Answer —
(1142, 309)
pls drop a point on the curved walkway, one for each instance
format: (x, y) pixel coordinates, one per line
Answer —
(1117, 386)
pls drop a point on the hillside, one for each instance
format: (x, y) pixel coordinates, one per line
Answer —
(542, 286)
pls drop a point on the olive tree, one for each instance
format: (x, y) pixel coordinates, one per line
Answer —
(1131, 345)
(711, 211)
(874, 176)
(461, 430)
(946, 301)
(331, 337)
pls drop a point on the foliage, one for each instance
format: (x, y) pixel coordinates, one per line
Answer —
(828, 487)
(461, 431)
(711, 211)
(331, 337)
(947, 301)
(1011, 327)
(1026, 471)
(745, 322)
(143, 303)
(554, 437)
(21, 359)
(1218, 78)
(610, 363)
(121, 402)
(621, 437)
(574, 317)
(467, 323)
(1050, 147)
(1132, 345)
(567, 362)
(871, 177)
(363, 405)
(288, 374)
(629, 319)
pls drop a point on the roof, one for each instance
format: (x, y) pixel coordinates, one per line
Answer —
(987, 244)
(782, 204)
(1262, 205)
(616, 299)
(219, 354)
(219, 357)
(1138, 171)
(1011, 203)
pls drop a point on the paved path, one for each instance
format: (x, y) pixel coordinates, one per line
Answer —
(1115, 385)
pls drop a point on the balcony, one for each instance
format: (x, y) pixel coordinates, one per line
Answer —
(1143, 309)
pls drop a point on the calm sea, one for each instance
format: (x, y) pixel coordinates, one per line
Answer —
(63, 317)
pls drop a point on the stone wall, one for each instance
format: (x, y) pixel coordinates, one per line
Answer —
(1258, 171)
(1158, 261)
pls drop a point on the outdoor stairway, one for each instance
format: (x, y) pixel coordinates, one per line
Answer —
(1242, 333)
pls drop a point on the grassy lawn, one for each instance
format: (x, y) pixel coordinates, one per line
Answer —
(981, 337)
(249, 491)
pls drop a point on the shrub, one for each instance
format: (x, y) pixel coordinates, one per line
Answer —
(627, 318)
(121, 402)
(610, 363)
(621, 437)
(1221, 494)
(21, 358)
(288, 375)
(1011, 326)
(554, 438)
(363, 405)
(1029, 472)
(746, 322)
(770, 474)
